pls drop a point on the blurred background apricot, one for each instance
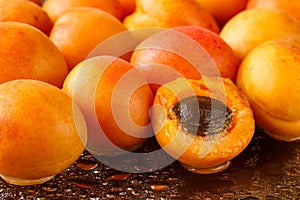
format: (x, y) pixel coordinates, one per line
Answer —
(292, 7)
(128, 6)
(170, 13)
(79, 30)
(27, 53)
(251, 27)
(27, 12)
(223, 10)
(55, 8)
(38, 2)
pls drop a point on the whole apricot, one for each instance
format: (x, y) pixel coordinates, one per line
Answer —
(165, 14)
(38, 2)
(128, 6)
(27, 12)
(115, 100)
(289, 6)
(269, 77)
(42, 131)
(89, 27)
(252, 27)
(223, 10)
(55, 8)
(27, 53)
(184, 51)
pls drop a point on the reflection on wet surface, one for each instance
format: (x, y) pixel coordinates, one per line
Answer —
(267, 169)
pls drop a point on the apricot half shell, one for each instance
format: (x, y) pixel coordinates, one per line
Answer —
(207, 151)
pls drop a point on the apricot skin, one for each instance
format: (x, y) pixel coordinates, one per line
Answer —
(174, 139)
(269, 77)
(41, 134)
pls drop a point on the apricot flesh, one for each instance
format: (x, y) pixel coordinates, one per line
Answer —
(198, 151)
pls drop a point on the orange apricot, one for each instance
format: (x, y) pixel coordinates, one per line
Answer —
(42, 131)
(27, 12)
(114, 97)
(223, 10)
(187, 51)
(291, 7)
(89, 27)
(170, 13)
(252, 27)
(27, 53)
(38, 2)
(55, 8)
(128, 6)
(269, 77)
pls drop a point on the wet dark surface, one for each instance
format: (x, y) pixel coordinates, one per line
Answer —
(267, 169)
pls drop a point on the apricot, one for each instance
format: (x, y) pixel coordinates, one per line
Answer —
(203, 123)
(38, 2)
(55, 8)
(252, 27)
(291, 7)
(128, 6)
(27, 12)
(42, 131)
(89, 27)
(27, 53)
(185, 51)
(170, 13)
(269, 77)
(223, 10)
(115, 100)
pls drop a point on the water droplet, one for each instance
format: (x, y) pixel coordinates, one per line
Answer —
(158, 187)
(59, 195)
(82, 184)
(116, 189)
(119, 177)
(111, 196)
(49, 189)
(173, 179)
(30, 197)
(86, 164)
(68, 190)
(30, 191)
(229, 195)
(105, 183)
(251, 198)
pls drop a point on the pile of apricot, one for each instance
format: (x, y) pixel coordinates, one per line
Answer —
(106, 75)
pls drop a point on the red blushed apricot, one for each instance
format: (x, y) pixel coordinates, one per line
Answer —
(186, 51)
(114, 97)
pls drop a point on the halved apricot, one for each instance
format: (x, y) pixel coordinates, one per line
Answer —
(202, 123)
